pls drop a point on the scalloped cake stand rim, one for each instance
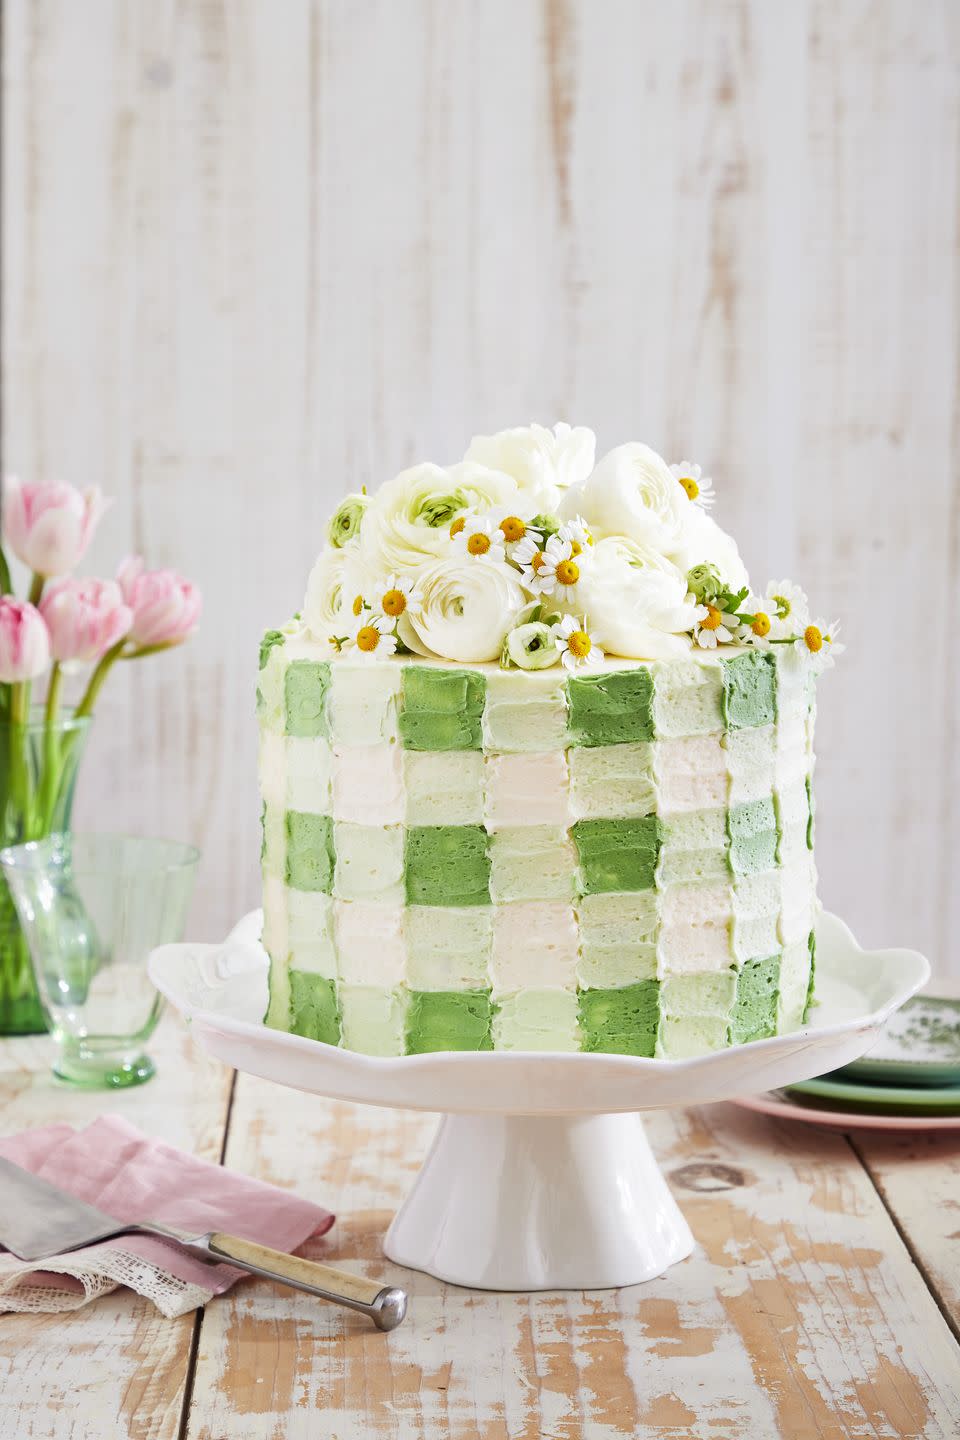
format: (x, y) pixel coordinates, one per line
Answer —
(540, 1176)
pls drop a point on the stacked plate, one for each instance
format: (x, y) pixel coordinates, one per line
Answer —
(910, 1080)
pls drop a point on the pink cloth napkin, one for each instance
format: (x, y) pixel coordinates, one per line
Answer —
(132, 1176)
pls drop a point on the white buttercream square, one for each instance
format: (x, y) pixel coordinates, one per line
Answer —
(370, 943)
(443, 787)
(448, 946)
(612, 781)
(687, 698)
(525, 710)
(750, 763)
(368, 784)
(525, 789)
(695, 929)
(535, 943)
(276, 934)
(362, 702)
(369, 862)
(756, 914)
(308, 763)
(691, 774)
(373, 1019)
(272, 766)
(794, 980)
(541, 1019)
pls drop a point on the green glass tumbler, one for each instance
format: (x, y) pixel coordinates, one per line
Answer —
(92, 908)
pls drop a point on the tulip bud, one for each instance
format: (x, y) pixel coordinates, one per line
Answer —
(165, 607)
(24, 641)
(49, 525)
(85, 618)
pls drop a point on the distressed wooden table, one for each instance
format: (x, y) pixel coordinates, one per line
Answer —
(823, 1298)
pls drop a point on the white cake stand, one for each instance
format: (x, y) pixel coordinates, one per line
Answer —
(540, 1176)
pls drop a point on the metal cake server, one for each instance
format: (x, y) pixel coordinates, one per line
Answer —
(37, 1221)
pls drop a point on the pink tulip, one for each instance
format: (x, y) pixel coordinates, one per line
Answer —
(24, 641)
(165, 607)
(49, 525)
(85, 618)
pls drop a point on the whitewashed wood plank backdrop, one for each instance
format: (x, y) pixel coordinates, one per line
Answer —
(256, 253)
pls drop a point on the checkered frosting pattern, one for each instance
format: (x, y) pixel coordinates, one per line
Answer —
(465, 857)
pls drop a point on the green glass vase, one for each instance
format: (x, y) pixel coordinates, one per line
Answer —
(38, 776)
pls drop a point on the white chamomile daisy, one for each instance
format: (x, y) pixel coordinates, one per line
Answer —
(576, 645)
(576, 532)
(758, 632)
(397, 595)
(374, 638)
(478, 536)
(532, 560)
(560, 571)
(698, 487)
(515, 531)
(788, 608)
(817, 647)
(715, 627)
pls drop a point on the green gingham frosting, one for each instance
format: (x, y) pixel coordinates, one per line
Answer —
(462, 857)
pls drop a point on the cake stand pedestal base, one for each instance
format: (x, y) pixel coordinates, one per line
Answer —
(535, 1202)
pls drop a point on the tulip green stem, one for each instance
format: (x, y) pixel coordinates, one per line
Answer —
(52, 766)
(100, 673)
(6, 584)
(36, 589)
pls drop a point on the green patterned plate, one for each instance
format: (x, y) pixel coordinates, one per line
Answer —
(919, 1045)
(887, 1099)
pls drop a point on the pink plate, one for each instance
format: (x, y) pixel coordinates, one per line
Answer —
(770, 1103)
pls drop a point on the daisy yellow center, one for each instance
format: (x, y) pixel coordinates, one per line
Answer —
(761, 624)
(713, 619)
(567, 572)
(783, 606)
(457, 526)
(575, 547)
(358, 604)
(579, 644)
(690, 485)
(513, 528)
(813, 639)
(478, 543)
(394, 603)
(368, 638)
(537, 561)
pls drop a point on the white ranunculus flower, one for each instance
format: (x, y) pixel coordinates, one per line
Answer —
(408, 521)
(635, 601)
(631, 492)
(335, 581)
(467, 605)
(544, 463)
(703, 542)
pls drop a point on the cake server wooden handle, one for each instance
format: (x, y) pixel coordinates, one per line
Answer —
(384, 1305)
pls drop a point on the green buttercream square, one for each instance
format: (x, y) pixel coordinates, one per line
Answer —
(310, 851)
(753, 832)
(611, 709)
(750, 690)
(305, 686)
(754, 1014)
(812, 943)
(441, 709)
(617, 854)
(449, 1020)
(621, 1022)
(447, 865)
(314, 1011)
